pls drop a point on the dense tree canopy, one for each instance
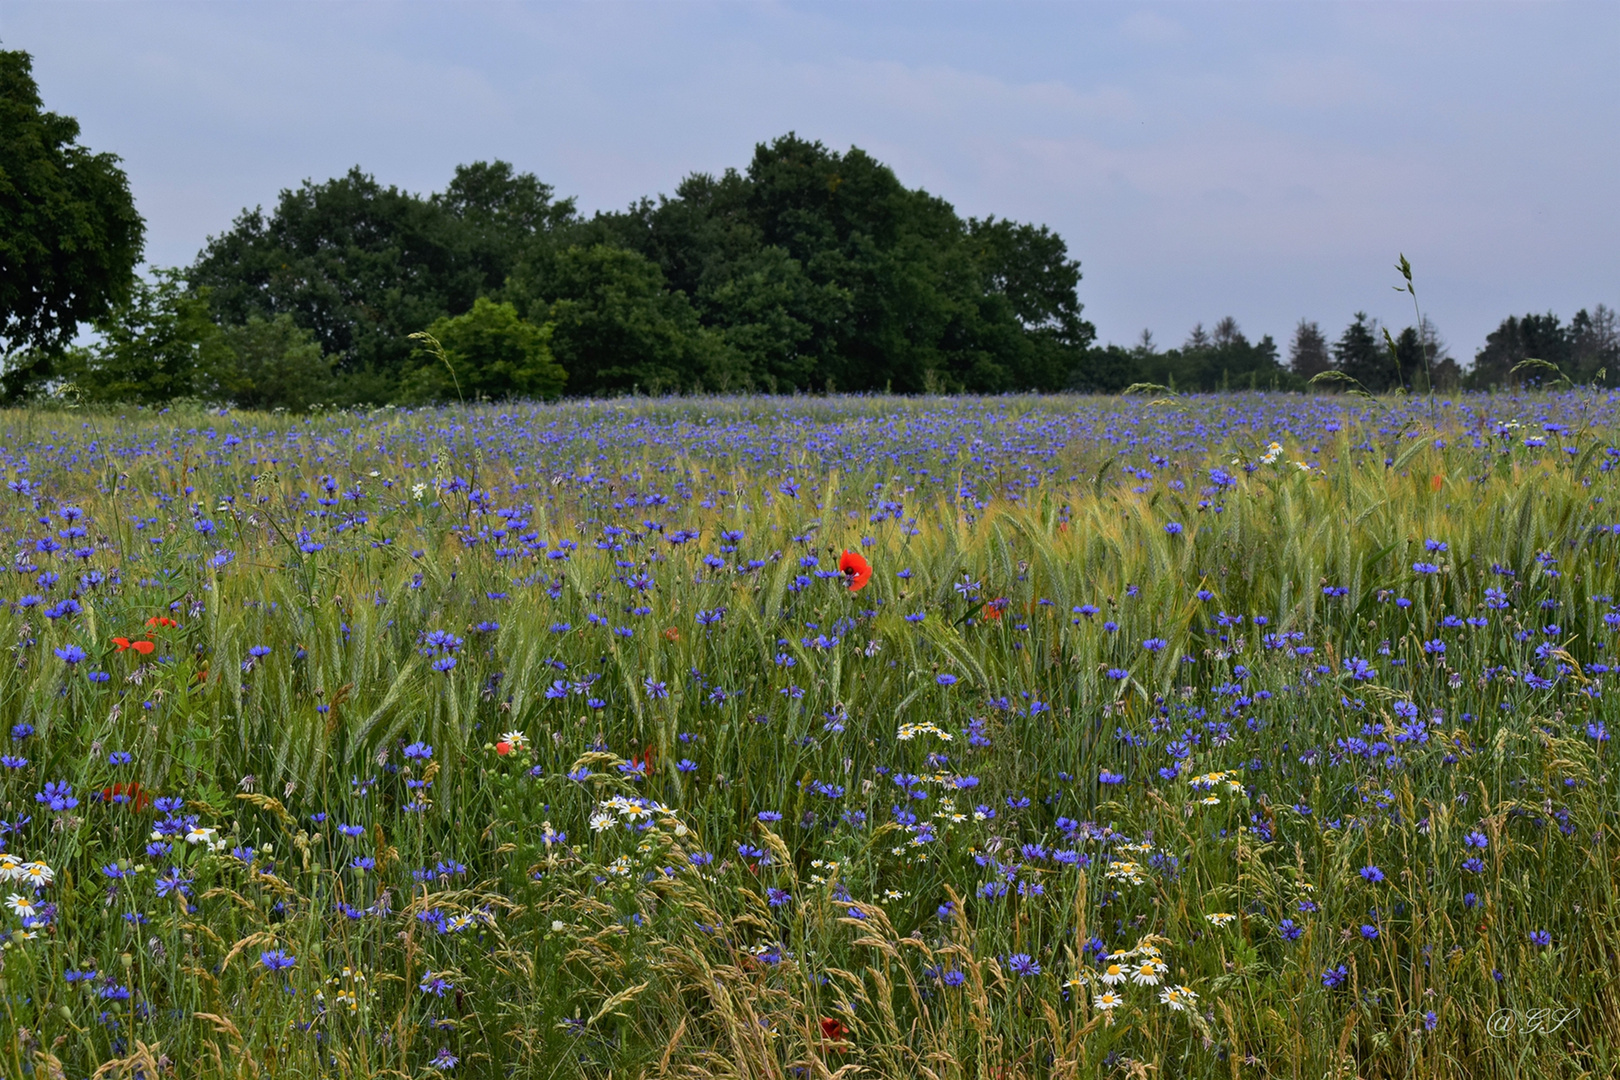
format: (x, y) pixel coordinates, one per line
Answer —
(69, 234)
(1587, 346)
(810, 270)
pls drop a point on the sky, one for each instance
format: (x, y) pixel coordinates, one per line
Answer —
(1267, 161)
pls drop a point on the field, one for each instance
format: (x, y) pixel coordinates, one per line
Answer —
(1228, 736)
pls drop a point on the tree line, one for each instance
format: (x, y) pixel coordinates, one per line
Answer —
(808, 270)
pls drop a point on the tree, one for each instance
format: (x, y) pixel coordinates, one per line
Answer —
(158, 345)
(1224, 359)
(1594, 345)
(616, 328)
(820, 268)
(70, 238)
(1359, 354)
(490, 353)
(1420, 353)
(1540, 337)
(271, 364)
(362, 266)
(1308, 353)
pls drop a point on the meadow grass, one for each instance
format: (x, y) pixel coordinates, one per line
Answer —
(553, 741)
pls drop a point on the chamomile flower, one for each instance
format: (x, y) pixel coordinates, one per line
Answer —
(1114, 974)
(516, 739)
(1108, 1001)
(200, 834)
(37, 874)
(23, 906)
(601, 821)
(1178, 998)
(1220, 918)
(1147, 973)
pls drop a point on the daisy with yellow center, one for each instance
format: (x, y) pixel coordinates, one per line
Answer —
(1113, 975)
(1220, 918)
(1147, 973)
(1177, 997)
(1107, 1001)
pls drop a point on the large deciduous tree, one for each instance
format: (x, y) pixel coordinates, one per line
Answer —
(362, 266)
(69, 234)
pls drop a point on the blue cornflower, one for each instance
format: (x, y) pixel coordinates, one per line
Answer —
(1372, 874)
(1023, 964)
(277, 960)
(945, 680)
(58, 796)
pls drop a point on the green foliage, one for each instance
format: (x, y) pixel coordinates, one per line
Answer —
(812, 269)
(69, 234)
(1587, 346)
(362, 266)
(615, 328)
(159, 345)
(487, 353)
(1359, 355)
(271, 363)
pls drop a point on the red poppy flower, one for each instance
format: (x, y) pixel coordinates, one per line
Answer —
(646, 759)
(992, 611)
(143, 647)
(161, 620)
(503, 748)
(832, 1030)
(857, 571)
(130, 795)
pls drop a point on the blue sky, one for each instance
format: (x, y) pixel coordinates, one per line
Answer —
(1267, 161)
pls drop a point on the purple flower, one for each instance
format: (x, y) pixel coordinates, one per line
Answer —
(1372, 874)
(277, 960)
(58, 796)
(1023, 964)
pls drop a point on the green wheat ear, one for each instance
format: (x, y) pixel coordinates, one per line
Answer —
(437, 351)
